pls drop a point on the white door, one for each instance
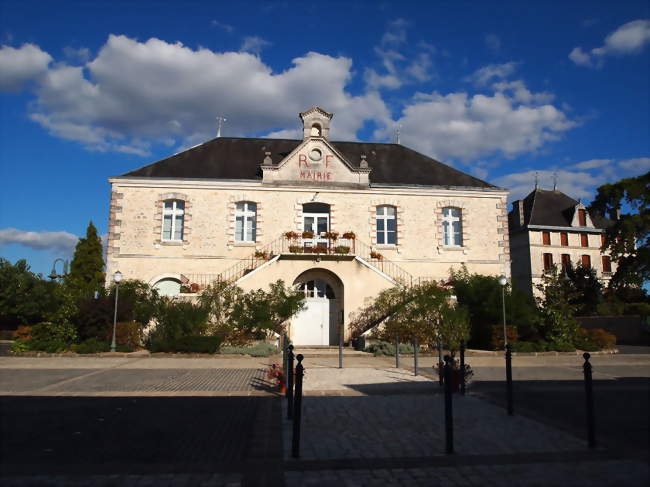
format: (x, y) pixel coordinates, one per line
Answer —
(311, 326)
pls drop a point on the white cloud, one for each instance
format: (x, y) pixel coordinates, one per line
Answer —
(81, 54)
(592, 164)
(629, 38)
(220, 25)
(493, 42)
(22, 65)
(457, 125)
(521, 93)
(56, 241)
(577, 185)
(254, 44)
(639, 164)
(482, 76)
(134, 94)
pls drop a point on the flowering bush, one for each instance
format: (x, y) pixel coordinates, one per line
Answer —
(276, 374)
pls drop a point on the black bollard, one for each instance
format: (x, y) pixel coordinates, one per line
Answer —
(589, 395)
(290, 383)
(415, 356)
(462, 368)
(509, 379)
(397, 350)
(440, 364)
(449, 415)
(341, 346)
(297, 409)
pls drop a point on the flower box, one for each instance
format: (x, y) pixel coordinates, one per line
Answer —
(342, 249)
(349, 236)
(296, 249)
(291, 235)
(376, 256)
(333, 236)
(307, 234)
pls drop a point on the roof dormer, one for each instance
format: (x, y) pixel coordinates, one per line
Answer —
(316, 123)
(581, 217)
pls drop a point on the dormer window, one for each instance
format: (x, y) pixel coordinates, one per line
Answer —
(582, 218)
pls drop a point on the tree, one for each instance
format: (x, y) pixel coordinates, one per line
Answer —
(557, 308)
(25, 298)
(588, 289)
(87, 266)
(628, 238)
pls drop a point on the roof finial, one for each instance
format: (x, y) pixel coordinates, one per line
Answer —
(363, 163)
(220, 121)
(554, 180)
(398, 129)
(536, 178)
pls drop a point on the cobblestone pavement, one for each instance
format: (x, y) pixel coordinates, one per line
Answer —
(398, 437)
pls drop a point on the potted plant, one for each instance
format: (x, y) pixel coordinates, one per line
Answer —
(349, 236)
(456, 373)
(260, 254)
(376, 255)
(321, 249)
(276, 375)
(307, 234)
(185, 288)
(342, 249)
(296, 249)
(333, 236)
(290, 235)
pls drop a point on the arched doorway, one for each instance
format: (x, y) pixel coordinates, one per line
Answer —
(321, 321)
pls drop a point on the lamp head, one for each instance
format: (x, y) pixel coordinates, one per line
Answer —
(502, 280)
(117, 277)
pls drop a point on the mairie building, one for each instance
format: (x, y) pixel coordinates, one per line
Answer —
(340, 220)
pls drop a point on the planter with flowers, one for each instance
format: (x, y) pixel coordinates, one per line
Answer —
(291, 235)
(307, 234)
(332, 236)
(261, 254)
(276, 375)
(376, 255)
(349, 236)
(296, 249)
(342, 249)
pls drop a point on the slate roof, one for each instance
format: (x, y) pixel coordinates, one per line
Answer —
(554, 209)
(240, 158)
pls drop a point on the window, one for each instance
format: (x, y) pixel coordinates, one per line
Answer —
(245, 221)
(566, 261)
(386, 225)
(452, 230)
(602, 239)
(173, 217)
(582, 218)
(586, 262)
(546, 238)
(548, 261)
(607, 263)
(584, 240)
(564, 239)
(168, 287)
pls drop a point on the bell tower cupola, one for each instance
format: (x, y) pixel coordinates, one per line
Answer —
(316, 123)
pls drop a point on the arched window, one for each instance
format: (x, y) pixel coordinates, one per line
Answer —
(315, 130)
(386, 225)
(452, 229)
(173, 219)
(168, 287)
(245, 221)
(317, 289)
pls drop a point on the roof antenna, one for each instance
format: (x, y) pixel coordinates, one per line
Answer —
(397, 132)
(554, 180)
(220, 121)
(536, 178)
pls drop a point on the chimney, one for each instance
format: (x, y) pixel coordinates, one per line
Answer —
(363, 164)
(267, 160)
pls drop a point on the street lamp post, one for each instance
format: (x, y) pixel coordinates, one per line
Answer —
(503, 281)
(117, 277)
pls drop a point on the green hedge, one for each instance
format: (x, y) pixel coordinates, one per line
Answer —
(386, 348)
(188, 344)
(261, 349)
(92, 345)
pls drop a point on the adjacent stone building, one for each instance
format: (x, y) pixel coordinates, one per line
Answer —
(342, 220)
(549, 228)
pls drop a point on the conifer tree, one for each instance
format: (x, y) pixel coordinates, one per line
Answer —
(87, 267)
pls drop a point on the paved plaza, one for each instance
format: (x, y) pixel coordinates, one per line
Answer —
(150, 421)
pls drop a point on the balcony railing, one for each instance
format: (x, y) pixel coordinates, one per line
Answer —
(296, 245)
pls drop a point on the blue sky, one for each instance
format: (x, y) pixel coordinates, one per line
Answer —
(501, 90)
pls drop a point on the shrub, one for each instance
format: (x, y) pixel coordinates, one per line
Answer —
(262, 349)
(529, 347)
(388, 348)
(642, 309)
(54, 332)
(177, 319)
(49, 346)
(92, 345)
(19, 345)
(23, 332)
(127, 334)
(602, 338)
(561, 347)
(497, 336)
(189, 344)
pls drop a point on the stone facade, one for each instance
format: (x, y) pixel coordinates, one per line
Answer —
(209, 248)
